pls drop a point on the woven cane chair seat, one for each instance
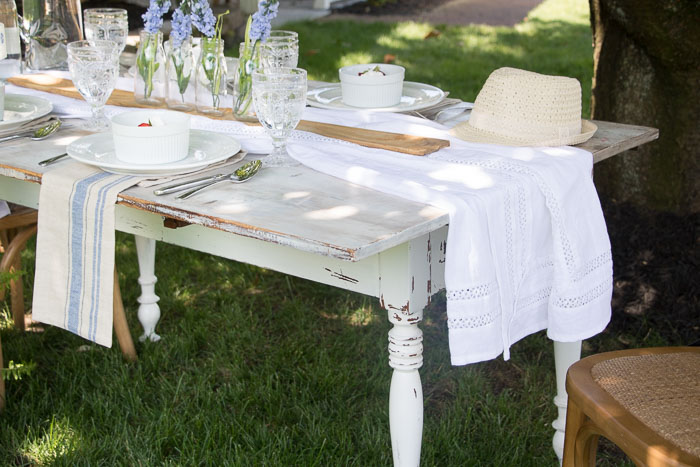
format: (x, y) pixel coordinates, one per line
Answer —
(646, 401)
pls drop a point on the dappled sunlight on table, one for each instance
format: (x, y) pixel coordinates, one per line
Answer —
(334, 213)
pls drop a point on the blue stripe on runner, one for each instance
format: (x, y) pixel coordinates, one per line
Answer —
(76, 231)
(97, 254)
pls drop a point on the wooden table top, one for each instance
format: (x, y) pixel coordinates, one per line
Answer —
(297, 206)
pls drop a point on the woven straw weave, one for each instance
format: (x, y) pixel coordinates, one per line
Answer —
(662, 391)
(522, 108)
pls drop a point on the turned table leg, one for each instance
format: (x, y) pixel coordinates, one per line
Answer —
(565, 355)
(405, 287)
(406, 394)
(149, 311)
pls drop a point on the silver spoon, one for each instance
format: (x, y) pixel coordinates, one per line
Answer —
(38, 134)
(53, 159)
(240, 175)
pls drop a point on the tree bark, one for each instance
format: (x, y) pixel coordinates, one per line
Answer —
(647, 72)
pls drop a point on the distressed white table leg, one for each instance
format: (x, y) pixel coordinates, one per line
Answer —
(405, 284)
(565, 355)
(149, 311)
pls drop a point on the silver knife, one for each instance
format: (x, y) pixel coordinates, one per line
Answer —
(189, 184)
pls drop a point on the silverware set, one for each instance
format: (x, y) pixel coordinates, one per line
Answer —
(240, 175)
(434, 112)
(37, 134)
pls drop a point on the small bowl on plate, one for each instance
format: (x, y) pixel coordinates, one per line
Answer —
(166, 140)
(371, 84)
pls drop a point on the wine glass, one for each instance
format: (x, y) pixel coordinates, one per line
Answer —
(279, 96)
(280, 50)
(110, 24)
(94, 67)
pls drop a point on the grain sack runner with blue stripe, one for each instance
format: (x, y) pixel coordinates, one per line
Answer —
(74, 280)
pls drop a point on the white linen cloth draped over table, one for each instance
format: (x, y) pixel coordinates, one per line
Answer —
(527, 244)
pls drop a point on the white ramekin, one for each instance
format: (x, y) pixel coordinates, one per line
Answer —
(162, 144)
(371, 91)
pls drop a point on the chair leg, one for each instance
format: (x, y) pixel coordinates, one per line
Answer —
(121, 327)
(4, 243)
(574, 420)
(586, 445)
(2, 381)
(11, 260)
(17, 296)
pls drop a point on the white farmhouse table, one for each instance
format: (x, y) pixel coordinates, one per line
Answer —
(307, 224)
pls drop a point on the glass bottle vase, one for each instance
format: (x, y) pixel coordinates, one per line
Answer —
(179, 76)
(210, 79)
(248, 62)
(149, 79)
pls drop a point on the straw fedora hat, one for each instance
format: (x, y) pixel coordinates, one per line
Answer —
(522, 108)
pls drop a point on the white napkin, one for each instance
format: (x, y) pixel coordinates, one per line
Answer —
(527, 248)
(73, 285)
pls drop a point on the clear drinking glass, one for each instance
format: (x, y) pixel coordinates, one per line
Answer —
(110, 24)
(280, 50)
(149, 79)
(94, 67)
(248, 63)
(279, 96)
(210, 90)
(180, 75)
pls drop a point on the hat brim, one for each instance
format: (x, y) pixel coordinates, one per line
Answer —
(468, 133)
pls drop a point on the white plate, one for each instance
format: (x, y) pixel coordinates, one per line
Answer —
(206, 147)
(415, 96)
(20, 108)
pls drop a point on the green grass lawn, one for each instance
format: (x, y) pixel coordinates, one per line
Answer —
(555, 39)
(258, 368)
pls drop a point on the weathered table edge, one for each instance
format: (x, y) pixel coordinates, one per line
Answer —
(613, 138)
(610, 139)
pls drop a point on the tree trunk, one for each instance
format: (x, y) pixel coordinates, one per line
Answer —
(647, 72)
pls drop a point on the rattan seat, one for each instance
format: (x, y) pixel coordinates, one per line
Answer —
(646, 401)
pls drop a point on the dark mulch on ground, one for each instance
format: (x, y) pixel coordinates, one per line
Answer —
(395, 7)
(656, 263)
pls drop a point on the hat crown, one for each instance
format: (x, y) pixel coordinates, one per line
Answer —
(528, 106)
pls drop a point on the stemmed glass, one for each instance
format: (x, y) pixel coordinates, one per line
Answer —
(110, 24)
(281, 49)
(94, 67)
(279, 96)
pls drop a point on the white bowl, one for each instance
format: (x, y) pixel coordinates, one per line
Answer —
(168, 140)
(360, 89)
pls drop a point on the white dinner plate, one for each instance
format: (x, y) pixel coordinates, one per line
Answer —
(415, 96)
(20, 108)
(206, 147)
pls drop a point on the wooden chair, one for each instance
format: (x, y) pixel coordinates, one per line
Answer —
(15, 230)
(646, 401)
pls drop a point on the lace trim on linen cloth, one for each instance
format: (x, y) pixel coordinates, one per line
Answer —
(465, 321)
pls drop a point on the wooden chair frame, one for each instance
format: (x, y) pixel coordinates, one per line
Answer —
(592, 412)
